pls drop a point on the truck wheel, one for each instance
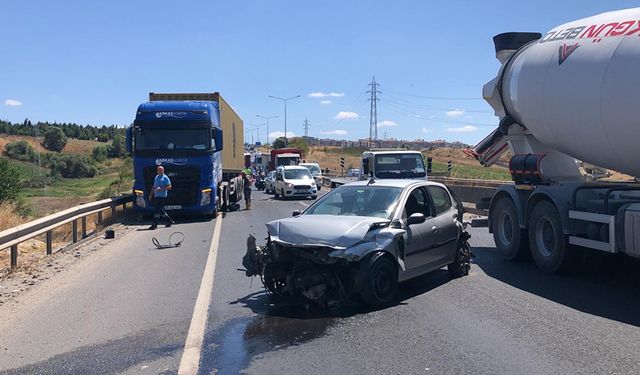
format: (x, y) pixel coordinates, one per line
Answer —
(462, 263)
(380, 283)
(511, 241)
(549, 245)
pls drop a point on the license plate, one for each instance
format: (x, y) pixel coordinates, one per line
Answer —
(173, 207)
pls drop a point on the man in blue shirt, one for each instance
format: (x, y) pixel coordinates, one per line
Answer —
(161, 184)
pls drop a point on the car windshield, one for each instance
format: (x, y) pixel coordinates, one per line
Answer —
(297, 174)
(399, 166)
(373, 201)
(173, 139)
(314, 169)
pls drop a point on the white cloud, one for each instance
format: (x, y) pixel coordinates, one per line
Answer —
(425, 130)
(345, 115)
(463, 129)
(455, 113)
(12, 103)
(274, 135)
(325, 102)
(334, 132)
(387, 123)
(327, 94)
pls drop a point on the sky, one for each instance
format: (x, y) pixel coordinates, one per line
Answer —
(94, 62)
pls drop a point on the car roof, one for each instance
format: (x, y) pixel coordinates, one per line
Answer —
(401, 183)
(309, 164)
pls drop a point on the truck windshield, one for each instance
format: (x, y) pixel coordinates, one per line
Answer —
(399, 166)
(173, 139)
(289, 160)
(296, 174)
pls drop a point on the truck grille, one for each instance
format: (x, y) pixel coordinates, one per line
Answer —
(185, 183)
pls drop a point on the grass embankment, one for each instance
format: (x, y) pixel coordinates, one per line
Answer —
(462, 166)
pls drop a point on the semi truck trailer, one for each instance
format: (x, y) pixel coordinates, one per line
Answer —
(563, 98)
(198, 138)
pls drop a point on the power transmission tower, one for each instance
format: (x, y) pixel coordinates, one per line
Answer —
(373, 116)
(385, 135)
(306, 125)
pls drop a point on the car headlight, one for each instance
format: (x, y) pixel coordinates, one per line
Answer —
(289, 185)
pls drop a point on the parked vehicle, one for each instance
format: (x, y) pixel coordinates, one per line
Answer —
(260, 183)
(353, 172)
(362, 239)
(285, 156)
(316, 172)
(388, 164)
(552, 210)
(270, 183)
(295, 181)
(198, 138)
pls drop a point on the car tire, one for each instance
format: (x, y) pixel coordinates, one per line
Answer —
(549, 245)
(275, 192)
(462, 262)
(380, 284)
(511, 241)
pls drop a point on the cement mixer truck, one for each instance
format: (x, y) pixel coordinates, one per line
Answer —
(569, 96)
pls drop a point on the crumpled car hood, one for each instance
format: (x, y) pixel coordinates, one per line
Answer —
(322, 230)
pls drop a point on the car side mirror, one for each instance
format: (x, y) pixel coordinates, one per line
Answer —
(416, 218)
(365, 166)
(218, 139)
(296, 213)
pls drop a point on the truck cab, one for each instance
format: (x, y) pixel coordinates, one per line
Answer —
(393, 164)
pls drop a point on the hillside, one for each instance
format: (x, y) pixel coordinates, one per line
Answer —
(57, 194)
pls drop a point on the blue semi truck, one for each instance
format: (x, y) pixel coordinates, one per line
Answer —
(199, 139)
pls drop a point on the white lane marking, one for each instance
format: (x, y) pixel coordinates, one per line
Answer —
(190, 362)
(304, 204)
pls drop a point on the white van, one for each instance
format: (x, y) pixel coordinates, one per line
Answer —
(316, 172)
(295, 181)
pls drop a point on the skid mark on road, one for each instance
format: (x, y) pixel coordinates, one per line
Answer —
(193, 345)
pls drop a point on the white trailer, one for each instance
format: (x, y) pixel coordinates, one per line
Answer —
(563, 98)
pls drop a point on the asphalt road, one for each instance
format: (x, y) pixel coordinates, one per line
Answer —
(128, 309)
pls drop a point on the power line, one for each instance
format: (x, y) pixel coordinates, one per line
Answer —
(431, 97)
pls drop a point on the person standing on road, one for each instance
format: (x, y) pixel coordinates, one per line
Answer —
(247, 190)
(161, 184)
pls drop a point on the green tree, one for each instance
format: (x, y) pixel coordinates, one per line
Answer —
(9, 182)
(100, 153)
(54, 139)
(116, 149)
(103, 137)
(279, 142)
(72, 166)
(301, 144)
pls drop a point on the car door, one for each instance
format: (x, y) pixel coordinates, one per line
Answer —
(420, 241)
(445, 215)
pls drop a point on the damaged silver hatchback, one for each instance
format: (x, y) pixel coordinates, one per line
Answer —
(360, 241)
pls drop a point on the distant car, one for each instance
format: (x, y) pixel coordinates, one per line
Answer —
(316, 172)
(295, 181)
(363, 238)
(270, 183)
(353, 172)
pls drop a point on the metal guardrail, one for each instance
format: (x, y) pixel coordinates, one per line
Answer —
(11, 238)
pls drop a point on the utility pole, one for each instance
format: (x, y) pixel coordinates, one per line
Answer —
(267, 118)
(285, 100)
(373, 115)
(306, 125)
(385, 135)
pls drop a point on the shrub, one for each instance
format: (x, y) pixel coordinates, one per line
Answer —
(20, 150)
(9, 182)
(116, 149)
(72, 166)
(100, 153)
(54, 139)
(103, 137)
